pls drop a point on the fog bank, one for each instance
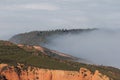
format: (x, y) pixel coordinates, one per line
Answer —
(101, 46)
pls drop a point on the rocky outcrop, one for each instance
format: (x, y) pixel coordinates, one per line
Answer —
(49, 52)
(21, 72)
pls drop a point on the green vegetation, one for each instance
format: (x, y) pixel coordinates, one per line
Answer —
(43, 37)
(12, 54)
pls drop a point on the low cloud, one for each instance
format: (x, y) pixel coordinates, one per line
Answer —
(40, 6)
(100, 47)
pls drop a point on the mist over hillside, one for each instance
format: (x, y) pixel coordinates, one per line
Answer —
(100, 46)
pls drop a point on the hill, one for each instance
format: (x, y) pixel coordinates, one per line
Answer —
(12, 54)
(32, 55)
(44, 37)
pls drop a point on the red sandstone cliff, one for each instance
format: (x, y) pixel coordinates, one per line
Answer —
(33, 73)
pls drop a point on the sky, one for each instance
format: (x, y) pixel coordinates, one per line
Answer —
(18, 16)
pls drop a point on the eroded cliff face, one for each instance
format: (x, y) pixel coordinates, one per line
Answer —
(33, 73)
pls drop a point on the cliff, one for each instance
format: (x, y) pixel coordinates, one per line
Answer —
(20, 72)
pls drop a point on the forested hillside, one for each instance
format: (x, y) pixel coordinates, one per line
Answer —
(44, 37)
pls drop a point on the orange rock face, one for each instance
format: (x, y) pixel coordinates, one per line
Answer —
(33, 73)
(2, 65)
(10, 74)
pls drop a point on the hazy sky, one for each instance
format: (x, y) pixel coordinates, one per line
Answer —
(18, 16)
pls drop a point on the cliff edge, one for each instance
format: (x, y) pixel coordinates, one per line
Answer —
(21, 72)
